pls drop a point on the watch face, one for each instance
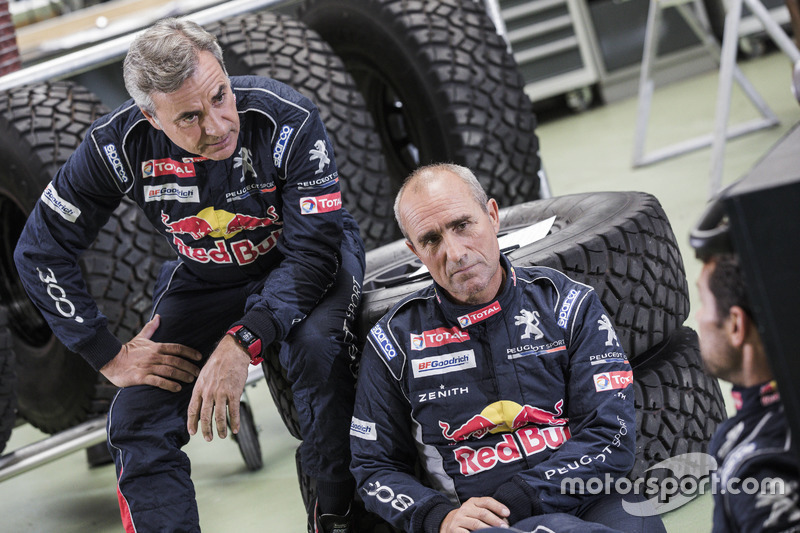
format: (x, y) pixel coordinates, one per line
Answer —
(246, 336)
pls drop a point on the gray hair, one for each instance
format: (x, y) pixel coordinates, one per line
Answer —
(429, 173)
(165, 56)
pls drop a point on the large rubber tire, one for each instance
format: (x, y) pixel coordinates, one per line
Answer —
(8, 381)
(247, 439)
(41, 126)
(678, 405)
(620, 243)
(279, 47)
(442, 86)
(280, 388)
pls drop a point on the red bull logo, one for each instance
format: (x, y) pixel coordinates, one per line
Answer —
(528, 441)
(167, 167)
(504, 417)
(479, 315)
(243, 251)
(313, 205)
(612, 380)
(217, 223)
(437, 337)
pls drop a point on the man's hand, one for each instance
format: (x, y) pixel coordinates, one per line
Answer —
(474, 514)
(219, 389)
(144, 362)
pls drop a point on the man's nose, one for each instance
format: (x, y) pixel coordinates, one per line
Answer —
(215, 124)
(454, 248)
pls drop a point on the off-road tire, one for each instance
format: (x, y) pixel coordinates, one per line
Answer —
(678, 405)
(620, 243)
(41, 126)
(8, 381)
(442, 87)
(279, 47)
(247, 439)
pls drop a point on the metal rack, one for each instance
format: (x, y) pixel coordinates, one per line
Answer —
(552, 46)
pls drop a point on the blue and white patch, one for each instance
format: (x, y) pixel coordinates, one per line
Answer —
(566, 308)
(443, 364)
(280, 145)
(66, 210)
(609, 357)
(325, 181)
(363, 429)
(383, 341)
(116, 163)
(171, 191)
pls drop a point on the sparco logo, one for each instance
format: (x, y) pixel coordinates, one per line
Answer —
(113, 158)
(480, 314)
(566, 308)
(280, 146)
(383, 341)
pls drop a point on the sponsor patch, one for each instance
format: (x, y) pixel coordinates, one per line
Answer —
(313, 205)
(248, 190)
(362, 429)
(437, 337)
(167, 167)
(280, 145)
(171, 191)
(610, 357)
(243, 252)
(479, 315)
(383, 341)
(66, 210)
(326, 181)
(443, 364)
(566, 308)
(319, 154)
(612, 380)
(116, 163)
(536, 349)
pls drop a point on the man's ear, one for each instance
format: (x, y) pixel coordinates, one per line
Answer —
(151, 119)
(738, 325)
(494, 213)
(411, 247)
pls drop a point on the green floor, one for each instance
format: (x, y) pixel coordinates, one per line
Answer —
(591, 151)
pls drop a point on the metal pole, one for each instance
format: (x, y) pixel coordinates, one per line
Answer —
(55, 447)
(115, 49)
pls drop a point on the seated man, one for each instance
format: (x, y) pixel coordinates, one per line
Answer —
(478, 394)
(756, 443)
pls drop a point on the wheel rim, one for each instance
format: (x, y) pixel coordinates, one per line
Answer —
(25, 321)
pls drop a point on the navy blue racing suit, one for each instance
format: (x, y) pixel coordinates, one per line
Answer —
(262, 241)
(756, 480)
(506, 399)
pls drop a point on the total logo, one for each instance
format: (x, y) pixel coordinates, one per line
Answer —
(218, 223)
(167, 167)
(479, 315)
(437, 337)
(313, 205)
(612, 380)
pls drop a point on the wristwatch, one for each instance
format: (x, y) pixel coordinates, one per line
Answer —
(249, 341)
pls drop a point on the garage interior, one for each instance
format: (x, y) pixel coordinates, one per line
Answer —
(582, 74)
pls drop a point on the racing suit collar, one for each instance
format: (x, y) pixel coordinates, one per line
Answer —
(467, 315)
(755, 397)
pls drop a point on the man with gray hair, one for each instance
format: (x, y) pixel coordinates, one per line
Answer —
(238, 174)
(480, 393)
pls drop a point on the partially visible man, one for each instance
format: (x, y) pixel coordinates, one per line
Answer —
(756, 443)
(479, 394)
(238, 174)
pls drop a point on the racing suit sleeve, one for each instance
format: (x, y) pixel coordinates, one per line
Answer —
(64, 222)
(384, 452)
(773, 507)
(601, 422)
(311, 238)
